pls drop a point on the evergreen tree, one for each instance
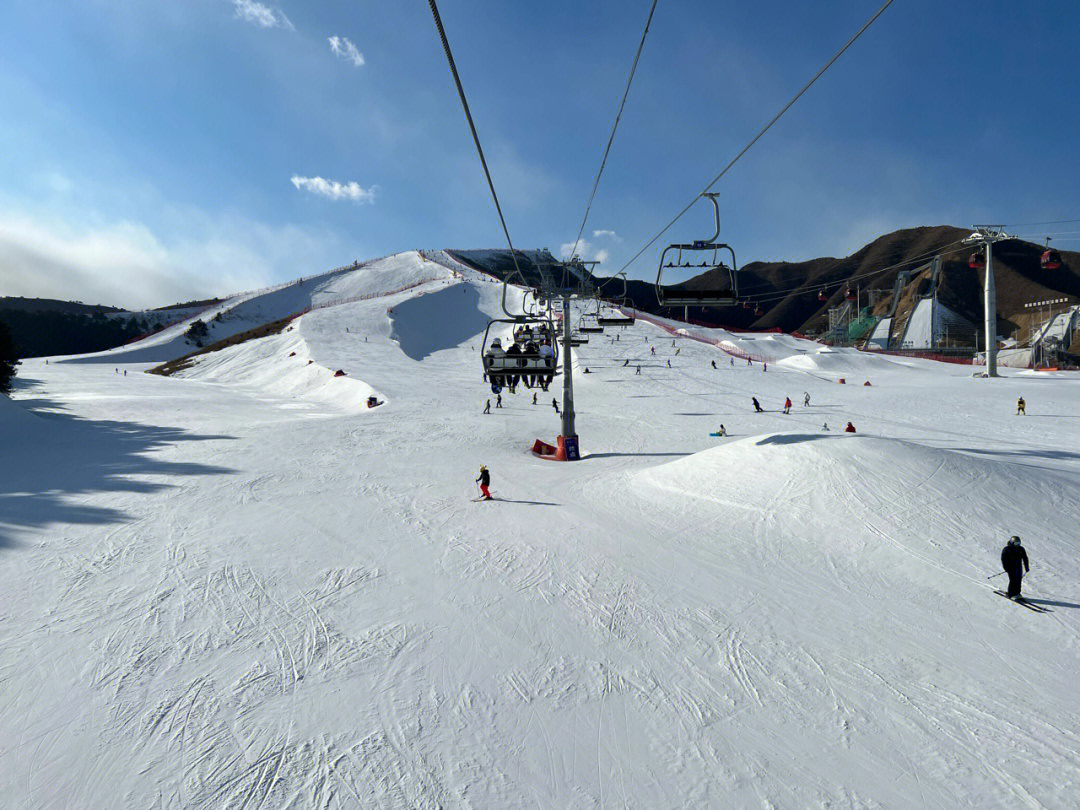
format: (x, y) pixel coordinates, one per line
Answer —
(9, 358)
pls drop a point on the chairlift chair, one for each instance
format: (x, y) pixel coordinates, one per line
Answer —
(977, 261)
(821, 296)
(719, 290)
(618, 318)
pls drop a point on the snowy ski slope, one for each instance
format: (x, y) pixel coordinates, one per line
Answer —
(241, 588)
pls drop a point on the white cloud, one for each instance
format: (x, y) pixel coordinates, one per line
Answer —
(585, 250)
(346, 50)
(126, 264)
(335, 190)
(263, 16)
(602, 234)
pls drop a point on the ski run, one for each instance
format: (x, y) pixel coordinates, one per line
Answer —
(240, 587)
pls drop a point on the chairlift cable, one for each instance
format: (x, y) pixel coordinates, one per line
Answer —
(761, 132)
(614, 126)
(472, 128)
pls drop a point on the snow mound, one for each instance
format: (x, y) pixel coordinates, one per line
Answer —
(820, 487)
(281, 365)
(832, 360)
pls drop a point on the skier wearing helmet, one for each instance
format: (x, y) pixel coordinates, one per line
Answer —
(1014, 560)
(484, 481)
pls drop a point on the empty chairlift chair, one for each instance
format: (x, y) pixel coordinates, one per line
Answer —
(694, 275)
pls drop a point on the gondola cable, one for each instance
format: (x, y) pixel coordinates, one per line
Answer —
(760, 133)
(614, 126)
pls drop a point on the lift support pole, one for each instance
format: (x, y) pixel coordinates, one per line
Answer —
(568, 441)
(985, 236)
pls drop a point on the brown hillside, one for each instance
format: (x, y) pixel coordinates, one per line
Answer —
(788, 291)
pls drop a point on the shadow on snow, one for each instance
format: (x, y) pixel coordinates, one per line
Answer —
(57, 457)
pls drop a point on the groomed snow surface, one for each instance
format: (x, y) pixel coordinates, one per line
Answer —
(241, 588)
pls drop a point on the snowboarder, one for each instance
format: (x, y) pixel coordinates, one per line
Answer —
(484, 481)
(498, 400)
(626, 362)
(713, 363)
(555, 404)
(722, 431)
(638, 372)
(677, 352)
(850, 428)
(787, 405)
(487, 406)
(1020, 405)
(1014, 560)
(806, 399)
(587, 370)
(825, 428)
(534, 397)
(732, 361)
(757, 405)
(669, 363)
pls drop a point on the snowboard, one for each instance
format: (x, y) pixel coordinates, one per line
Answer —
(717, 435)
(1022, 601)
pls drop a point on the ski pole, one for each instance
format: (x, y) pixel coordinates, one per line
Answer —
(998, 574)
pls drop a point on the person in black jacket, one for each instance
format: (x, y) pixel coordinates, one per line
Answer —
(1014, 560)
(484, 481)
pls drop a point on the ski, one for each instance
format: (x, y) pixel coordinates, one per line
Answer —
(1021, 601)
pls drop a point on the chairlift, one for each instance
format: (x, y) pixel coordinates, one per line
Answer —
(821, 296)
(715, 286)
(1051, 259)
(617, 318)
(747, 305)
(977, 261)
(849, 294)
(758, 311)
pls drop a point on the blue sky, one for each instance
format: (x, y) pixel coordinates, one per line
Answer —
(167, 150)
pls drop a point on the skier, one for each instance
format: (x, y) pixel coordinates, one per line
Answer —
(749, 362)
(825, 428)
(555, 404)
(806, 399)
(757, 405)
(1020, 405)
(787, 405)
(732, 361)
(850, 428)
(484, 481)
(652, 349)
(626, 362)
(534, 397)
(669, 363)
(1014, 560)
(764, 366)
(677, 352)
(487, 406)
(638, 372)
(498, 400)
(713, 363)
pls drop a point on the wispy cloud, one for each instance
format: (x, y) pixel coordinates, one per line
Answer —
(126, 263)
(602, 234)
(585, 250)
(335, 190)
(261, 15)
(346, 50)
